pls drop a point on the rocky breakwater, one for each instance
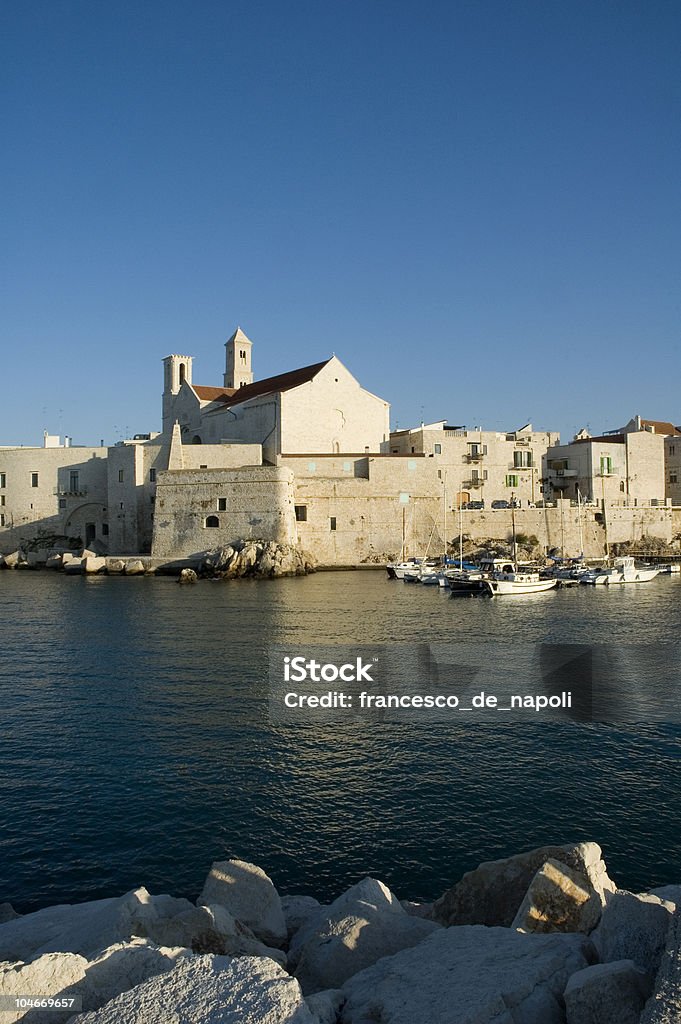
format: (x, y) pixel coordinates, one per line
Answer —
(544, 937)
(258, 558)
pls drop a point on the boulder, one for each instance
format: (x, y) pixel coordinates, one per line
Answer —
(88, 928)
(94, 564)
(13, 559)
(88, 553)
(37, 558)
(249, 895)
(115, 566)
(493, 892)
(50, 975)
(210, 990)
(342, 948)
(134, 567)
(664, 1005)
(633, 928)
(559, 899)
(360, 899)
(54, 561)
(119, 968)
(471, 975)
(72, 566)
(187, 576)
(297, 910)
(613, 993)
(326, 1006)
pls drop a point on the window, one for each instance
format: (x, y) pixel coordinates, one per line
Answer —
(671, 449)
(3, 480)
(73, 480)
(301, 513)
(34, 479)
(203, 466)
(222, 504)
(437, 448)
(2, 518)
(212, 522)
(121, 476)
(2, 499)
(606, 465)
(511, 480)
(673, 479)
(332, 523)
(152, 476)
(62, 503)
(105, 529)
(522, 460)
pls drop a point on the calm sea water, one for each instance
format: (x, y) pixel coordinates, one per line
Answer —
(136, 745)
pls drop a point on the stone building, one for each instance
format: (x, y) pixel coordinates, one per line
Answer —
(481, 465)
(58, 490)
(316, 408)
(672, 451)
(622, 467)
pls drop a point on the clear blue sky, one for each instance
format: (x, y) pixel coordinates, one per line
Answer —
(475, 205)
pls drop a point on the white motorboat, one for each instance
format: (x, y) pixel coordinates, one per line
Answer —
(624, 570)
(518, 582)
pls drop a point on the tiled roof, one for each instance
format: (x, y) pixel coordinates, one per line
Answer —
(210, 394)
(661, 427)
(272, 385)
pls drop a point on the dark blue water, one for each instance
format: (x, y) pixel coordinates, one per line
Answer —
(136, 745)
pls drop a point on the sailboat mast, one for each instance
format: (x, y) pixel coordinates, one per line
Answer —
(515, 543)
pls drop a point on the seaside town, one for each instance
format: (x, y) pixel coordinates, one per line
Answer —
(306, 460)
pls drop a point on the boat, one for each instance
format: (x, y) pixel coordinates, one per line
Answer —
(518, 582)
(623, 570)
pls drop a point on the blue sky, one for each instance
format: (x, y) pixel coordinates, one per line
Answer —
(475, 205)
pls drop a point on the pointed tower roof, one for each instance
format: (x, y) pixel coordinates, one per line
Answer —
(238, 336)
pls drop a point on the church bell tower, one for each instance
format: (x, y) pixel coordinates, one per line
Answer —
(238, 370)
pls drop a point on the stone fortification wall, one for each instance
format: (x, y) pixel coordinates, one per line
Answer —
(200, 509)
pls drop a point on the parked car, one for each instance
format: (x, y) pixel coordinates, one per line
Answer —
(501, 504)
(473, 504)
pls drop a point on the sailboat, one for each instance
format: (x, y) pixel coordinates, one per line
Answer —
(515, 580)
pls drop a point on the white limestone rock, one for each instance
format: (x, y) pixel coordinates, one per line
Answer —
(633, 927)
(297, 910)
(94, 564)
(492, 893)
(613, 993)
(118, 969)
(115, 566)
(210, 990)
(249, 895)
(341, 948)
(664, 1005)
(14, 559)
(362, 898)
(89, 928)
(54, 561)
(326, 1006)
(50, 975)
(470, 975)
(72, 566)
(559, 899)
(134, 567)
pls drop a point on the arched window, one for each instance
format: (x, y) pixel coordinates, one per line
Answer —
(196, 439)
(183, 373)
(212, 521)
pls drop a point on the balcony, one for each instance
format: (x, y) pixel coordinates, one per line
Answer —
(474, 481)
(80, 493)
(475, 456)
(569, 473)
